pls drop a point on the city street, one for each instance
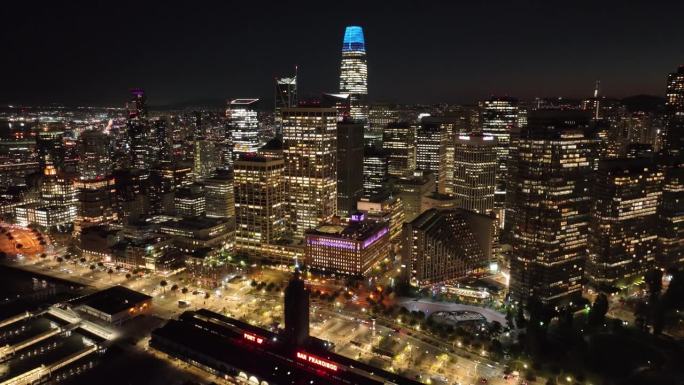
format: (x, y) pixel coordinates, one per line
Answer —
(416, 355)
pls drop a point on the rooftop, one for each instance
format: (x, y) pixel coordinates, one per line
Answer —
(113, 300)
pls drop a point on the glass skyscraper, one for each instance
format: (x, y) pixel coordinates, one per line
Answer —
(354, 72)
(244, 126)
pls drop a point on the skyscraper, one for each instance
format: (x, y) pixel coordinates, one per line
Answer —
(219, 195)
(243, 125)
(259, 202)
(475, 172)
(671, 210)
(399, 140)
(140, 136)
(431, 145)
(374, 171)
(310, 151)
(623, 226)
(94, 154)
(354, 72)
(50, 148)
(550, 173)
(673, 135)
(285, 96)
(499, 116)
(349, 163)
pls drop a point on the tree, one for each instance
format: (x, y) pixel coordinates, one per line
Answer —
(92, 267)
(110, 272)
(82, 260)
(128, 275)
(59, 259)
(43, 256)
(184, 290)
(174, 287)
(654, 281)
(520, 321)
(597, 313)
(163, 284)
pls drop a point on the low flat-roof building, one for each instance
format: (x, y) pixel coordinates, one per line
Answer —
(114, 305)
(352, 249)
(198, 232)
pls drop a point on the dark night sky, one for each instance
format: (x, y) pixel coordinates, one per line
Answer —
(92, 52)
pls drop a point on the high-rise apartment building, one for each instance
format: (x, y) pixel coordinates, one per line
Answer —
(349, 162)
(623, 226)
(243, 124)
(50, 148)
(474, 179)
(399, 140)
(354, 72)
(310, 151)
(259, 203)
(550, 176)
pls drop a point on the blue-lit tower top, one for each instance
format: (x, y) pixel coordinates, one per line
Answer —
(353, 39)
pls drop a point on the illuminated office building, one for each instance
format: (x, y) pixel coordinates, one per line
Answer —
(349, 162)
(259, 203)
(431, 145)
(95, 202)
(207, 158)
(623, 225)
(379, 116)
(671, 219)
(219, 195)
(551, 166)
(671, 210)
(310, 151)
(388, 209)
(354, 72)
(141, 140)
(190, 202)
(353, 249)
(673, 135)
(499, 116)
(474, 179)
(243, 125)
(412, 190)
(399, 140)
(50, 148)
(374, 171)
(95, 155)
(444, 245)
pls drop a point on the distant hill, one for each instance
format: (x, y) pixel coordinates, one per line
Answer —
(646, 103)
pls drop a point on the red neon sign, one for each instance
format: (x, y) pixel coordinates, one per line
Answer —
(253, 338)
(317, 361)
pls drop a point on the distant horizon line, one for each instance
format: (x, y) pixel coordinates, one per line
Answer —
(217, 102)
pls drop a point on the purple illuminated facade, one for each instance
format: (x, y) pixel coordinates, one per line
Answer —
(352, 250)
